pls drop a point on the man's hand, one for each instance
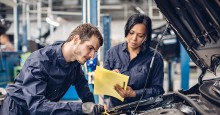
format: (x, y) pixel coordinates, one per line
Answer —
(89, 108)
(128, 93)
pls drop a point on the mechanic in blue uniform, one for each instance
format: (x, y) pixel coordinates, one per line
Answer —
(48, 73)
(133, 58)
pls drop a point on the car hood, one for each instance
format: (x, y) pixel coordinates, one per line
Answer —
(197, 26)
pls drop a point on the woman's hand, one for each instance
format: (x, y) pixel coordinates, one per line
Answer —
(128, 93)
(116, 70)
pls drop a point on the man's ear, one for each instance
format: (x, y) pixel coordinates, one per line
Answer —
(76, 39)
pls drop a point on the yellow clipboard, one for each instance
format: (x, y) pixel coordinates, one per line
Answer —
(105, 80)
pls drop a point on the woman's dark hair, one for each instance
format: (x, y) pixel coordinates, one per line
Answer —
(140, 19)
(86, 31)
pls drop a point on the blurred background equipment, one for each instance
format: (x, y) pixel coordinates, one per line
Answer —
(169, 47)
(4, 25)
(8, 58)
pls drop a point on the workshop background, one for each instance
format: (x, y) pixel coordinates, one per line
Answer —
(33, 24)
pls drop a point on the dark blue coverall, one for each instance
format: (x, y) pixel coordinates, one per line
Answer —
(118, 57)
(43, 80)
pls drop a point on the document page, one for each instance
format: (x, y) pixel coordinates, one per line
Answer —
(105, 80)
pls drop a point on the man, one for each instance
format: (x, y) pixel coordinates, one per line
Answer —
(48, 73)
(4, 40)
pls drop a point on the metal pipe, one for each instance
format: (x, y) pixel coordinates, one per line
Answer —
(98, 25)
(84, 9)
(57, 12)
(39, 16)
(24, 24)
(93, 12)
(88, 11)
(28, 22)
(16, 29)
(50, 5)
(98, 14)
(185, 68)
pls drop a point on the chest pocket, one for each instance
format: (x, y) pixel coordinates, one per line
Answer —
(141, 69)
(138, 76)
(115, 65)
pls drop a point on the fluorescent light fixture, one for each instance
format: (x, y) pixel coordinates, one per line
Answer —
(139, 10)
(52, 22)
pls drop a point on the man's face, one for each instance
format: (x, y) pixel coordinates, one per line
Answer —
(86, 49)
(3, 39)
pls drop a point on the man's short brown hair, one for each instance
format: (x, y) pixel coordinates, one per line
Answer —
(86, 31)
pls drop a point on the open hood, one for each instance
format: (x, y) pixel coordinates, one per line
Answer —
(197, 26)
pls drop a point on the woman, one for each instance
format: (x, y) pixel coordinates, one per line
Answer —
(133, 58)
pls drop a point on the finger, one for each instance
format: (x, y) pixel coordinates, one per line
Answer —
(128, 87)
(120, 92)
(121, 89)
(131, 93)
(116, 70)
(118, 86)
(106, 107)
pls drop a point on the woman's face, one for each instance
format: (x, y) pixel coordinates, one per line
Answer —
(136, 36)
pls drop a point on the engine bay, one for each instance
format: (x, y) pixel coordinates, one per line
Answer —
(195, 101)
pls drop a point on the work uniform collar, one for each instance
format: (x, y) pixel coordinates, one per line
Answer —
(144, 47)
(61, 58)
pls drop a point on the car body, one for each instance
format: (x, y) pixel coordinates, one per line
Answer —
(196, 24)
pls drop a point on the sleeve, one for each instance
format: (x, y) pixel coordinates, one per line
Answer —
(155, 79)
(82, 88)
(34, 90)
